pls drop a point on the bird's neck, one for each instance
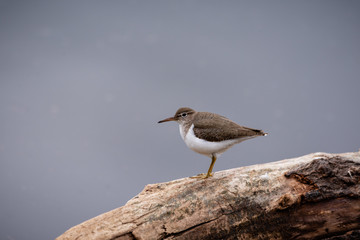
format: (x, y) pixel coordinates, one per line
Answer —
(184, 128)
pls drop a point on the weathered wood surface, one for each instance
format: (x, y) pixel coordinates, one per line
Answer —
(316, 196)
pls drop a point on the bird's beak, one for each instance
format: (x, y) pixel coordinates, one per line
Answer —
(167, 120)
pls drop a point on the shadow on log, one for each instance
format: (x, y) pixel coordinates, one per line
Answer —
(316, 196)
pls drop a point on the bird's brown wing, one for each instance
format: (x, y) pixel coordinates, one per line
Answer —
(216, 128)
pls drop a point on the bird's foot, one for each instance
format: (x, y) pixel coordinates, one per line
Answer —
(202, 175)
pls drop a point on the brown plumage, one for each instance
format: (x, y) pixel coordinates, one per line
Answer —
(215, 128)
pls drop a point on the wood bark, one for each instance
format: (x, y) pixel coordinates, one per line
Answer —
(316, 196)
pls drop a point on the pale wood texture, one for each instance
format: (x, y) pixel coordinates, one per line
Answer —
(316, 196)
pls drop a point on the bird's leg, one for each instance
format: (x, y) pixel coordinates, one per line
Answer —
(213, 160)
(209, 173)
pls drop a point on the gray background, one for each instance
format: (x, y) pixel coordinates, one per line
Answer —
(83, 84)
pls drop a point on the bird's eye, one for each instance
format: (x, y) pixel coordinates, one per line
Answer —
(184, 114)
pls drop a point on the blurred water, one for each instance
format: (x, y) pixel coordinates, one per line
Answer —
(83, 84)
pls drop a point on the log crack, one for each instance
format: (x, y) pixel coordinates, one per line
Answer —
(342, 174)
(177, 234)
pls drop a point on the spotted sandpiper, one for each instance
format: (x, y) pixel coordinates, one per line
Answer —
(209, 133)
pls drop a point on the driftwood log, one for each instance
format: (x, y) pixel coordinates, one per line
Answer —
(316, 196)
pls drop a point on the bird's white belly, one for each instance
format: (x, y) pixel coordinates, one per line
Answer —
(205, 147)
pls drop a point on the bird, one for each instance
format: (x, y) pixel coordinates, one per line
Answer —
(210, 134)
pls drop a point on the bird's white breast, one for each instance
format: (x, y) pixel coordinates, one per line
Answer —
(202, 146)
